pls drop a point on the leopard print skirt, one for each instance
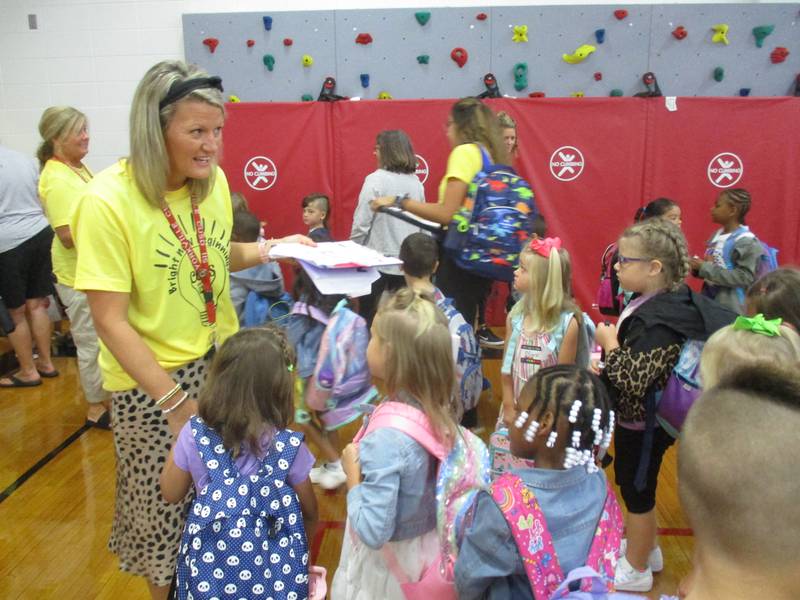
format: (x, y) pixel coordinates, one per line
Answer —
(146, 532)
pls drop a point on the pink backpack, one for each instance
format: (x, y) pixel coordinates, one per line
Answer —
(535, 545)
(463, 471)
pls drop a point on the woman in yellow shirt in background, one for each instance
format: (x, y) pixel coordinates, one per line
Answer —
(65, 143)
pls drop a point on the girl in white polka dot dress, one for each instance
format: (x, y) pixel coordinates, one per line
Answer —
(248, 530)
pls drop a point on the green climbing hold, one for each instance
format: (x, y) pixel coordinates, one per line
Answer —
(761, 32)
(616, 92)
(269, 61)
(422, 17)
(423, 59)
(719, 74)
(307, 98)
(520, 76)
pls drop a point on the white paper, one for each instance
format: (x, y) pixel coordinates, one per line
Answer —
(349, 282)
(334, 255)
(671, 102)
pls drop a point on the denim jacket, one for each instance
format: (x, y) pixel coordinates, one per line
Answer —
(489, 565)
(397, 498)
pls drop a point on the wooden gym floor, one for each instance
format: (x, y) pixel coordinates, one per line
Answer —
(57, 500)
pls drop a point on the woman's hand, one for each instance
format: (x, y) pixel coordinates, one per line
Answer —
(606, 336)
(380, 202)
(177, 418)
(351, 465)
(296, 238)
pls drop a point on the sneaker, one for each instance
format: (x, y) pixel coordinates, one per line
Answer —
(332, 477)
(486, 337)
(629, 579)
(655, 561)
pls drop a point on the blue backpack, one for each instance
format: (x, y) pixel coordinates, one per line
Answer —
(767, 262)
(259, 310)
(469, 374)
(244, 536)
(487, 232)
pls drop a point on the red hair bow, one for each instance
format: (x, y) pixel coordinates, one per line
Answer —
(543, 247)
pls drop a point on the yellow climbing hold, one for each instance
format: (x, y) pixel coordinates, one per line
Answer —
(720, 33)
(579, 55)
(384, 96)
(577, 94)
(307, 60)
(520, 33)
(233, 98)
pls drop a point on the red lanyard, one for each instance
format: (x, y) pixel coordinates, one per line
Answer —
(201, 267)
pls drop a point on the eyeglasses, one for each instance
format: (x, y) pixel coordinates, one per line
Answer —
(624, 260)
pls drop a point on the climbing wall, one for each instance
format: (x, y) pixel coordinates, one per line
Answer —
(558, 51)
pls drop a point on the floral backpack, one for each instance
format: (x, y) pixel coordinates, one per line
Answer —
(535, 545)
(463, 471)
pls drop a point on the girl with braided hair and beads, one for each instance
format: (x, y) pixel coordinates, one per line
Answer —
(563, 422)
(641, 351)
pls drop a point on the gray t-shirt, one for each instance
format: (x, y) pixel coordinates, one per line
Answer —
(21, 213)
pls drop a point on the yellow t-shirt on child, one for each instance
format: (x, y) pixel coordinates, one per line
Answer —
(125, 244)
(60, 188)
(463, 164)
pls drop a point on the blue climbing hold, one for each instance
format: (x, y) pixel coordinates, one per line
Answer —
(268, 23)
(744, 92)
(600, 35)
(364, 80)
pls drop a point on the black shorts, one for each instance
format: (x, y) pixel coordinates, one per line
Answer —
(27, 271)
(466, 289)
(627, 453)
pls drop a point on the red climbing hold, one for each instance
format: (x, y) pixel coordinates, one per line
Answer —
(779, 55)
(680, 32)
(459, 55)
(251, 43)
(212, 44)
(620, 14)
(536, 95)
(598, 76)
(363, 38)
(287, 41)
(482, 16)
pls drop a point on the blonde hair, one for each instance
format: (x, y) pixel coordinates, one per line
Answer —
(56, 123)
(475, 123)
(149, 161)
(549, 289)
(663, 241)
(729, 349)
(419, 356)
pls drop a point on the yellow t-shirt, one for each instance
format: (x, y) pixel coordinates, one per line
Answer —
(60, 188)
(463, 163)
(126, 245)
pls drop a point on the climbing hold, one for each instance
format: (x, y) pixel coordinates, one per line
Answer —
(233, 98)
(719, 74)
(269, 61)
(307, 98)
(460, 56)
(536, 95)
(422, 17)
(492, 89)
(364, 80)
(287, 42)
(520, 33)
(268, 23)
(761, 32)
(423, 59)
(384, 96)
(520, 76)
(778, 55)
(251, 43)
(363, 39)
(328, 91)
(616, 92)
(620, 14)
(744, 92)
(598, 76)
(481, 16)
(579, 55)
(680, 32)
(212, 44)
(577, 94)
(307, 60)
(651, 85)
(797, 85)
(720, 34)
(600, 35)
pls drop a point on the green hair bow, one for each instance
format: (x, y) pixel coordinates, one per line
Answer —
(758, 324)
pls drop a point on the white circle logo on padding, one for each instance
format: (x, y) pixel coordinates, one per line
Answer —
(260, 173)
(422, 168)
(725, 170)
(566, 163)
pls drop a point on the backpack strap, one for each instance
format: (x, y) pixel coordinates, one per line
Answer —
(511, 347)
(607, 538)
(730, 243)
(216, 458)
(407, 419)
(528, 526)
(487, 160)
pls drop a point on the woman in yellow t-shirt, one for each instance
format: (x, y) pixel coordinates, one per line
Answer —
(65, 143)
(154, 253)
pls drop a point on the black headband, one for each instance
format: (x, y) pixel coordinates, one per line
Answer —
(179, 89)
